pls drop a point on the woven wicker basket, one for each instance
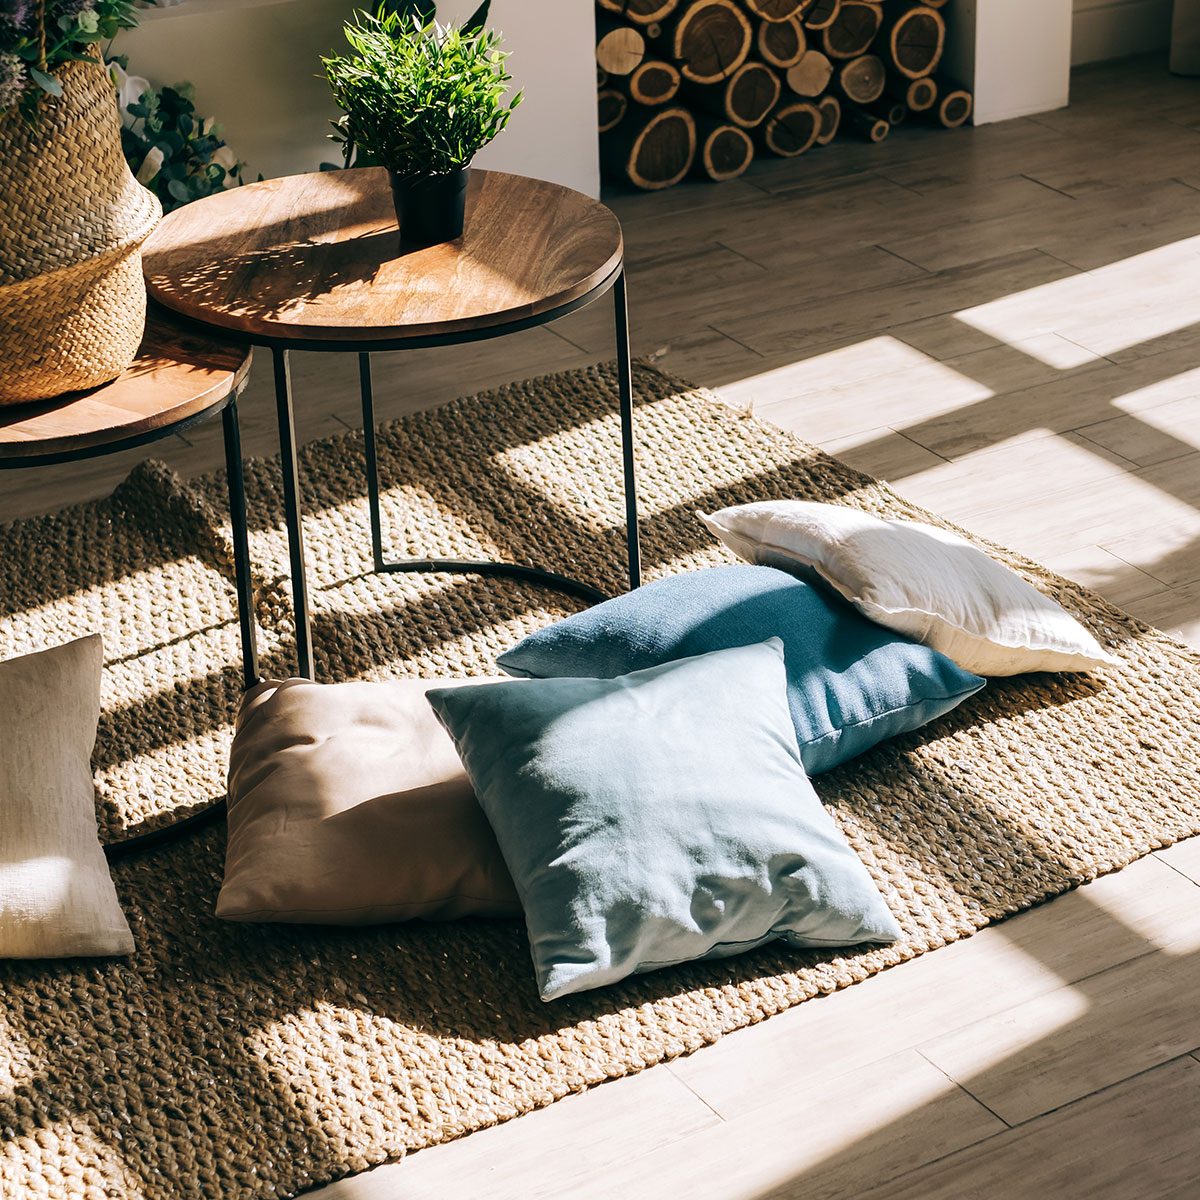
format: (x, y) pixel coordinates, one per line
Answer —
(72, 223)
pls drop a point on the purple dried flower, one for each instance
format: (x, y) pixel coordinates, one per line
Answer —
(12, 81)
(15, 14)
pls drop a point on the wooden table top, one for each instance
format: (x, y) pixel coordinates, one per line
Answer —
(317, 258)
(178, 374)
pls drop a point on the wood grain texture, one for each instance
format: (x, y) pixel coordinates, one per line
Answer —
(317, 258)
(177, 374)
(1135, 1141)
(898, 1113)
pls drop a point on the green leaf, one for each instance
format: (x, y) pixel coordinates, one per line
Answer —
(46, 82)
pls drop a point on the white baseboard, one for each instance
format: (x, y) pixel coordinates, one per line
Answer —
(1104, 29)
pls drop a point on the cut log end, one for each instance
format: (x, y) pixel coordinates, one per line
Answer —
(955, 108)
(822, 14)
(723, 151)
(640, 12)
(776, 10)
(653, 149)
(791, 129)
(654, 82)
(866, 124)
(781, 43)
(711, 39)
(862, 80)
(919, 95)
(830, 108)
(751, 94)
(619, 49)
(853, 30)
(915, 41)
(611, 106)
(811, 75)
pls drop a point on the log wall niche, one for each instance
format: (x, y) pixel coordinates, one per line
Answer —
(701, 87)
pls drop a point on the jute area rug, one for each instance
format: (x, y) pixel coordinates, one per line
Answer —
(252, 1061)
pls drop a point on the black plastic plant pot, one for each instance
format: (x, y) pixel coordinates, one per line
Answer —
(430, 208)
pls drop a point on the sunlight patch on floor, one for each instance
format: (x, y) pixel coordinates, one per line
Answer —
(965, 1053)
(1101, 312)
(843, 367)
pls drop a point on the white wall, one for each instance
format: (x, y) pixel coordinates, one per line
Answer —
(1012, 74)
(1116, 28)
(255, 65)
(554, 134)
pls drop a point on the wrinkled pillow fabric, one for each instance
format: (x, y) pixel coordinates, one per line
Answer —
(57, 899)
(659, 817)
(921, 581)
(851, 683)
(348, 805)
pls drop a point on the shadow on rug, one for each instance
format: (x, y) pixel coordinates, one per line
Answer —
(252, 1061)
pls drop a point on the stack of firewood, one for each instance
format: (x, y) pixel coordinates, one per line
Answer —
(701, 86)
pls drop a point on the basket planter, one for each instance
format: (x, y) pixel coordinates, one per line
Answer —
(72, 223)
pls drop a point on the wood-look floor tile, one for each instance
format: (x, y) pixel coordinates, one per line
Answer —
(1175, 611)
(1113, 920)
(1183, 857)
(1106, 573)
(1154, 436)
(553, 1152)
(882, 453)
(841, 1138)
(1134, 1141)
(879, 309)
(1066, 1044)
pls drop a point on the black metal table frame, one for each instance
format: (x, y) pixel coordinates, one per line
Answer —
(227, 407)
(280, 347)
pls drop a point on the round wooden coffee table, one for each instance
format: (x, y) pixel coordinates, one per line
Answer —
(314, 262)
(179, 378)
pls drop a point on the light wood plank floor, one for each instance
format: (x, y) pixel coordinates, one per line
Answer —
(1005, 323)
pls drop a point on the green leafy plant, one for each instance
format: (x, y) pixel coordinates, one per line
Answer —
(418, 97)
(176, 154)
(37, 36)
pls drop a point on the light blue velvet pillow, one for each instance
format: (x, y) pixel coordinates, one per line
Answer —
(660, 817)
(851, 683)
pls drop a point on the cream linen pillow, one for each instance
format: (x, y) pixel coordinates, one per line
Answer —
(348, 805)
(57, 898)
(921, 581)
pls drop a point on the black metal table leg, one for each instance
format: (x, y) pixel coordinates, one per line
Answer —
(241, 541)
(291, 506)
(372, 454)
(462, 566)
(625, 384)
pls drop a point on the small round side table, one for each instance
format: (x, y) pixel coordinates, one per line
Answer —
(178, 379)
(314, 262)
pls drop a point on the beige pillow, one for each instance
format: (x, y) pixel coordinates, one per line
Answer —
(57, 898)
(921, 581)
(348, 805)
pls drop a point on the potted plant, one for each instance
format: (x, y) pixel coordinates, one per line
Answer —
(420, 98)
(72, 217)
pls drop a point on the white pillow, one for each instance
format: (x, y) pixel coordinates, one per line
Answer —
(57, 898)
(924, 582)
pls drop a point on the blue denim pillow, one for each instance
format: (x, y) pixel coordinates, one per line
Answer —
(659, 818)
(851, 683)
